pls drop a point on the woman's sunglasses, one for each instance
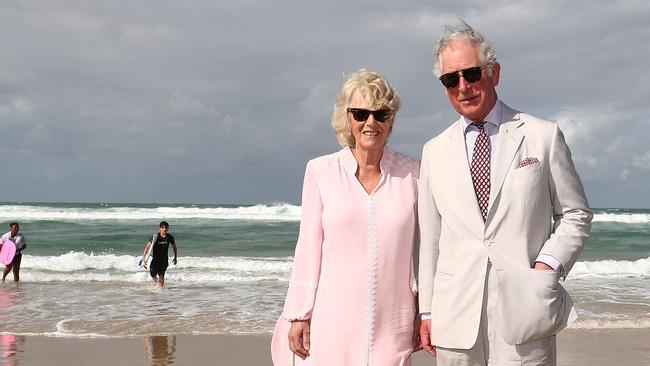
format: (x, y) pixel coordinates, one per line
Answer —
(361, 115)
(471, 75)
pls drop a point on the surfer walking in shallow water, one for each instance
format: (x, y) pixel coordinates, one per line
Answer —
(21, 243)
(158, 247)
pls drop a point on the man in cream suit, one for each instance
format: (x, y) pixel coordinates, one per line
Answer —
(503, 216)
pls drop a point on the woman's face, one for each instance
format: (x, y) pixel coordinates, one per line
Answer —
(369, 134)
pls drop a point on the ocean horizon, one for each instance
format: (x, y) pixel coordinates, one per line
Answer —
(80, 278)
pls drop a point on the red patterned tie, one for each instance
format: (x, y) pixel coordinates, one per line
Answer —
(481, 168)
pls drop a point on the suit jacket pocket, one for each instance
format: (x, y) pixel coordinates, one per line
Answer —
(531, 171)
(532, 304)
(444, 273)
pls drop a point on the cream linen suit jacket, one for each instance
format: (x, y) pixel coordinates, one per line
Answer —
(534, 209)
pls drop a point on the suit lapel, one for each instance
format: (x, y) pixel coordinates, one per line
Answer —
(460, 168)
(508, 143)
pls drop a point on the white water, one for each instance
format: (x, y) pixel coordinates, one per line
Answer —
(26, 213)
(88, 295)
(611, 269)
(277, 212)
(624, 218)
(82, 267)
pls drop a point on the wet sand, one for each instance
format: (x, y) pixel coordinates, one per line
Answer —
(575, 348)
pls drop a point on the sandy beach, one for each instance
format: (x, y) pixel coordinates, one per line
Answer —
(575, 347)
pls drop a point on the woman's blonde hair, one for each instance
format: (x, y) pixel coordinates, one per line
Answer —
(377, 92)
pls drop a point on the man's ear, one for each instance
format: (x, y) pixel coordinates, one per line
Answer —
(496, 71)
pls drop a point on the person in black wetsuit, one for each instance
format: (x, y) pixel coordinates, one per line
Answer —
(158, 247)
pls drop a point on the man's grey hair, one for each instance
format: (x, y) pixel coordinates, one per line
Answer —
(464, 32)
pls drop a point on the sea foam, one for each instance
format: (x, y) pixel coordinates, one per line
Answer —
(82, 267)
(611, 323)
(611, 269)
(624, 218)
(278, 212)
(78, 266)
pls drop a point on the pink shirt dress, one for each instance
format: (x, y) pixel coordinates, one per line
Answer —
(353, 271)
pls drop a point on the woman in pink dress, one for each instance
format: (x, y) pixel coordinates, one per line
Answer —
(351, 298)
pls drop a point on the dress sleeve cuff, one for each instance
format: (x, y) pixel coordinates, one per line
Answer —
(300, 301)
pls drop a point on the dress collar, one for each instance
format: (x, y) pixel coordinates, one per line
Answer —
(350, 164)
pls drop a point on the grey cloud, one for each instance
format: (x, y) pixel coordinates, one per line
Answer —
(17, 107)
(200, 101)
(642, 160)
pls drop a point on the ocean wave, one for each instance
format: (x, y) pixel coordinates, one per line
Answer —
(78, 261)
(611, 269)
(275, 212)
(262, 212)
(625, 218)
(610, 323)
(172, 275)
(82, 267)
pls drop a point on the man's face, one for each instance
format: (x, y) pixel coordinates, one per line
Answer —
(472, 100)
(14, 230)
(163, 230)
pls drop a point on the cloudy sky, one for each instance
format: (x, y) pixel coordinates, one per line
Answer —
(200, 101)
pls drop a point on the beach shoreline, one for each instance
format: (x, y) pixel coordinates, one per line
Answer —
(575, 347)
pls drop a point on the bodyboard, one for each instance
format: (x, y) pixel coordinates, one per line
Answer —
(7, 252)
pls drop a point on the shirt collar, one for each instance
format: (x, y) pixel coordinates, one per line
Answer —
(494, 117)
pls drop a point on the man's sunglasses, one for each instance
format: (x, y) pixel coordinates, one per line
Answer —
(361, 115)
(472, 74)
